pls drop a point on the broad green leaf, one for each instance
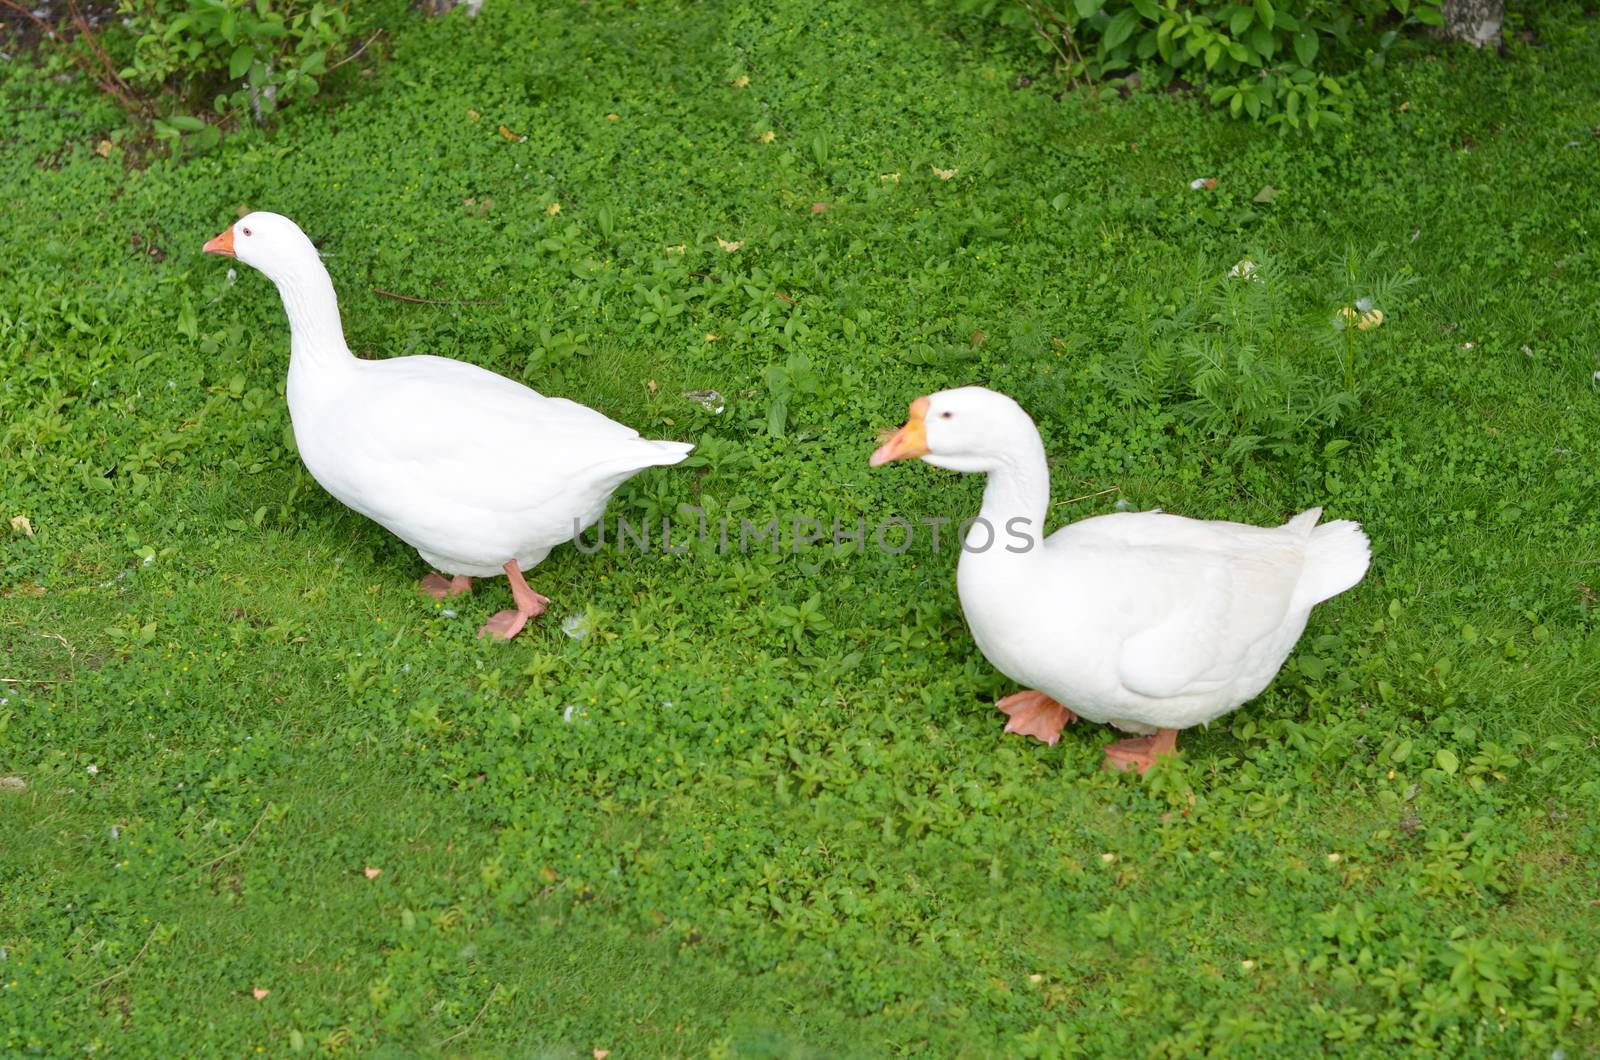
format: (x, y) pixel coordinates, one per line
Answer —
(1306, 46)
(1264, 41)
(1147, 9)
(1446, 760)
(239, 62)
(1087, 8)
(1264, 9)
(1121, 27)
(188, 325)
(1240, 20)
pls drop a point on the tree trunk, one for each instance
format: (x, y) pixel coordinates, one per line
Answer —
(1475, 21)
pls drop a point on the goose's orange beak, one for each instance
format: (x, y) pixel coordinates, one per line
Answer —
(908, 442)
(223, 244)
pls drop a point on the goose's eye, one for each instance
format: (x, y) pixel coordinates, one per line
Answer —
(946, 415)
(244, 231)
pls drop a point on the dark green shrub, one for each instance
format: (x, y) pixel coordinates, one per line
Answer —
(1284, 61)
(243, 58)
(167, 62)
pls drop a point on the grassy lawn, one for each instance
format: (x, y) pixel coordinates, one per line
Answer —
(760, 805)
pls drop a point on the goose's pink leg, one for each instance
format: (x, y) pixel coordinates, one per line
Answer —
(436, 586)
(1035, 714)
(1141, 752)
(507, 624)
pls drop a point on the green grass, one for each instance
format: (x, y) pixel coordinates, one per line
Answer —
(769, 829)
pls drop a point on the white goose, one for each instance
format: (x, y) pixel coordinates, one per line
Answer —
(478, 473)
(1149, 622)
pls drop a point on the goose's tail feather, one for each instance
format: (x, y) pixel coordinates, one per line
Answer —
(662, 454)
(1337, 557)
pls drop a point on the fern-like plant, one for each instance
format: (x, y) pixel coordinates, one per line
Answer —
(1249, 365)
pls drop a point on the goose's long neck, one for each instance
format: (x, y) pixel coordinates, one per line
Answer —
(1016, 500)
(316, 343)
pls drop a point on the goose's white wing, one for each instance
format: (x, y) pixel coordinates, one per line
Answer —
(1219, 608)
(464, 437)
(1205, 593)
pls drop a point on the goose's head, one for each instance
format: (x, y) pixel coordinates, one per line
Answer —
(268, 242)
(970, 428)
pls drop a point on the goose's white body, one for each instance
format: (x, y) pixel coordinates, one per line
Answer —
(1149, 621)
(1142, 620)
(468, 467)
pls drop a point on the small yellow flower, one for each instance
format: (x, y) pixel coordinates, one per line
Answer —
(767, 137)
(742, 81)
(889, 178)
(553, 209)
(729, 247)
(944, 174)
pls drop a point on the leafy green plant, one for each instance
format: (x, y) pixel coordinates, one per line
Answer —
(1367, 293)
(1240, 364)
(788, 384)
(1286, 62)
(246, 58)
(172, 61)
